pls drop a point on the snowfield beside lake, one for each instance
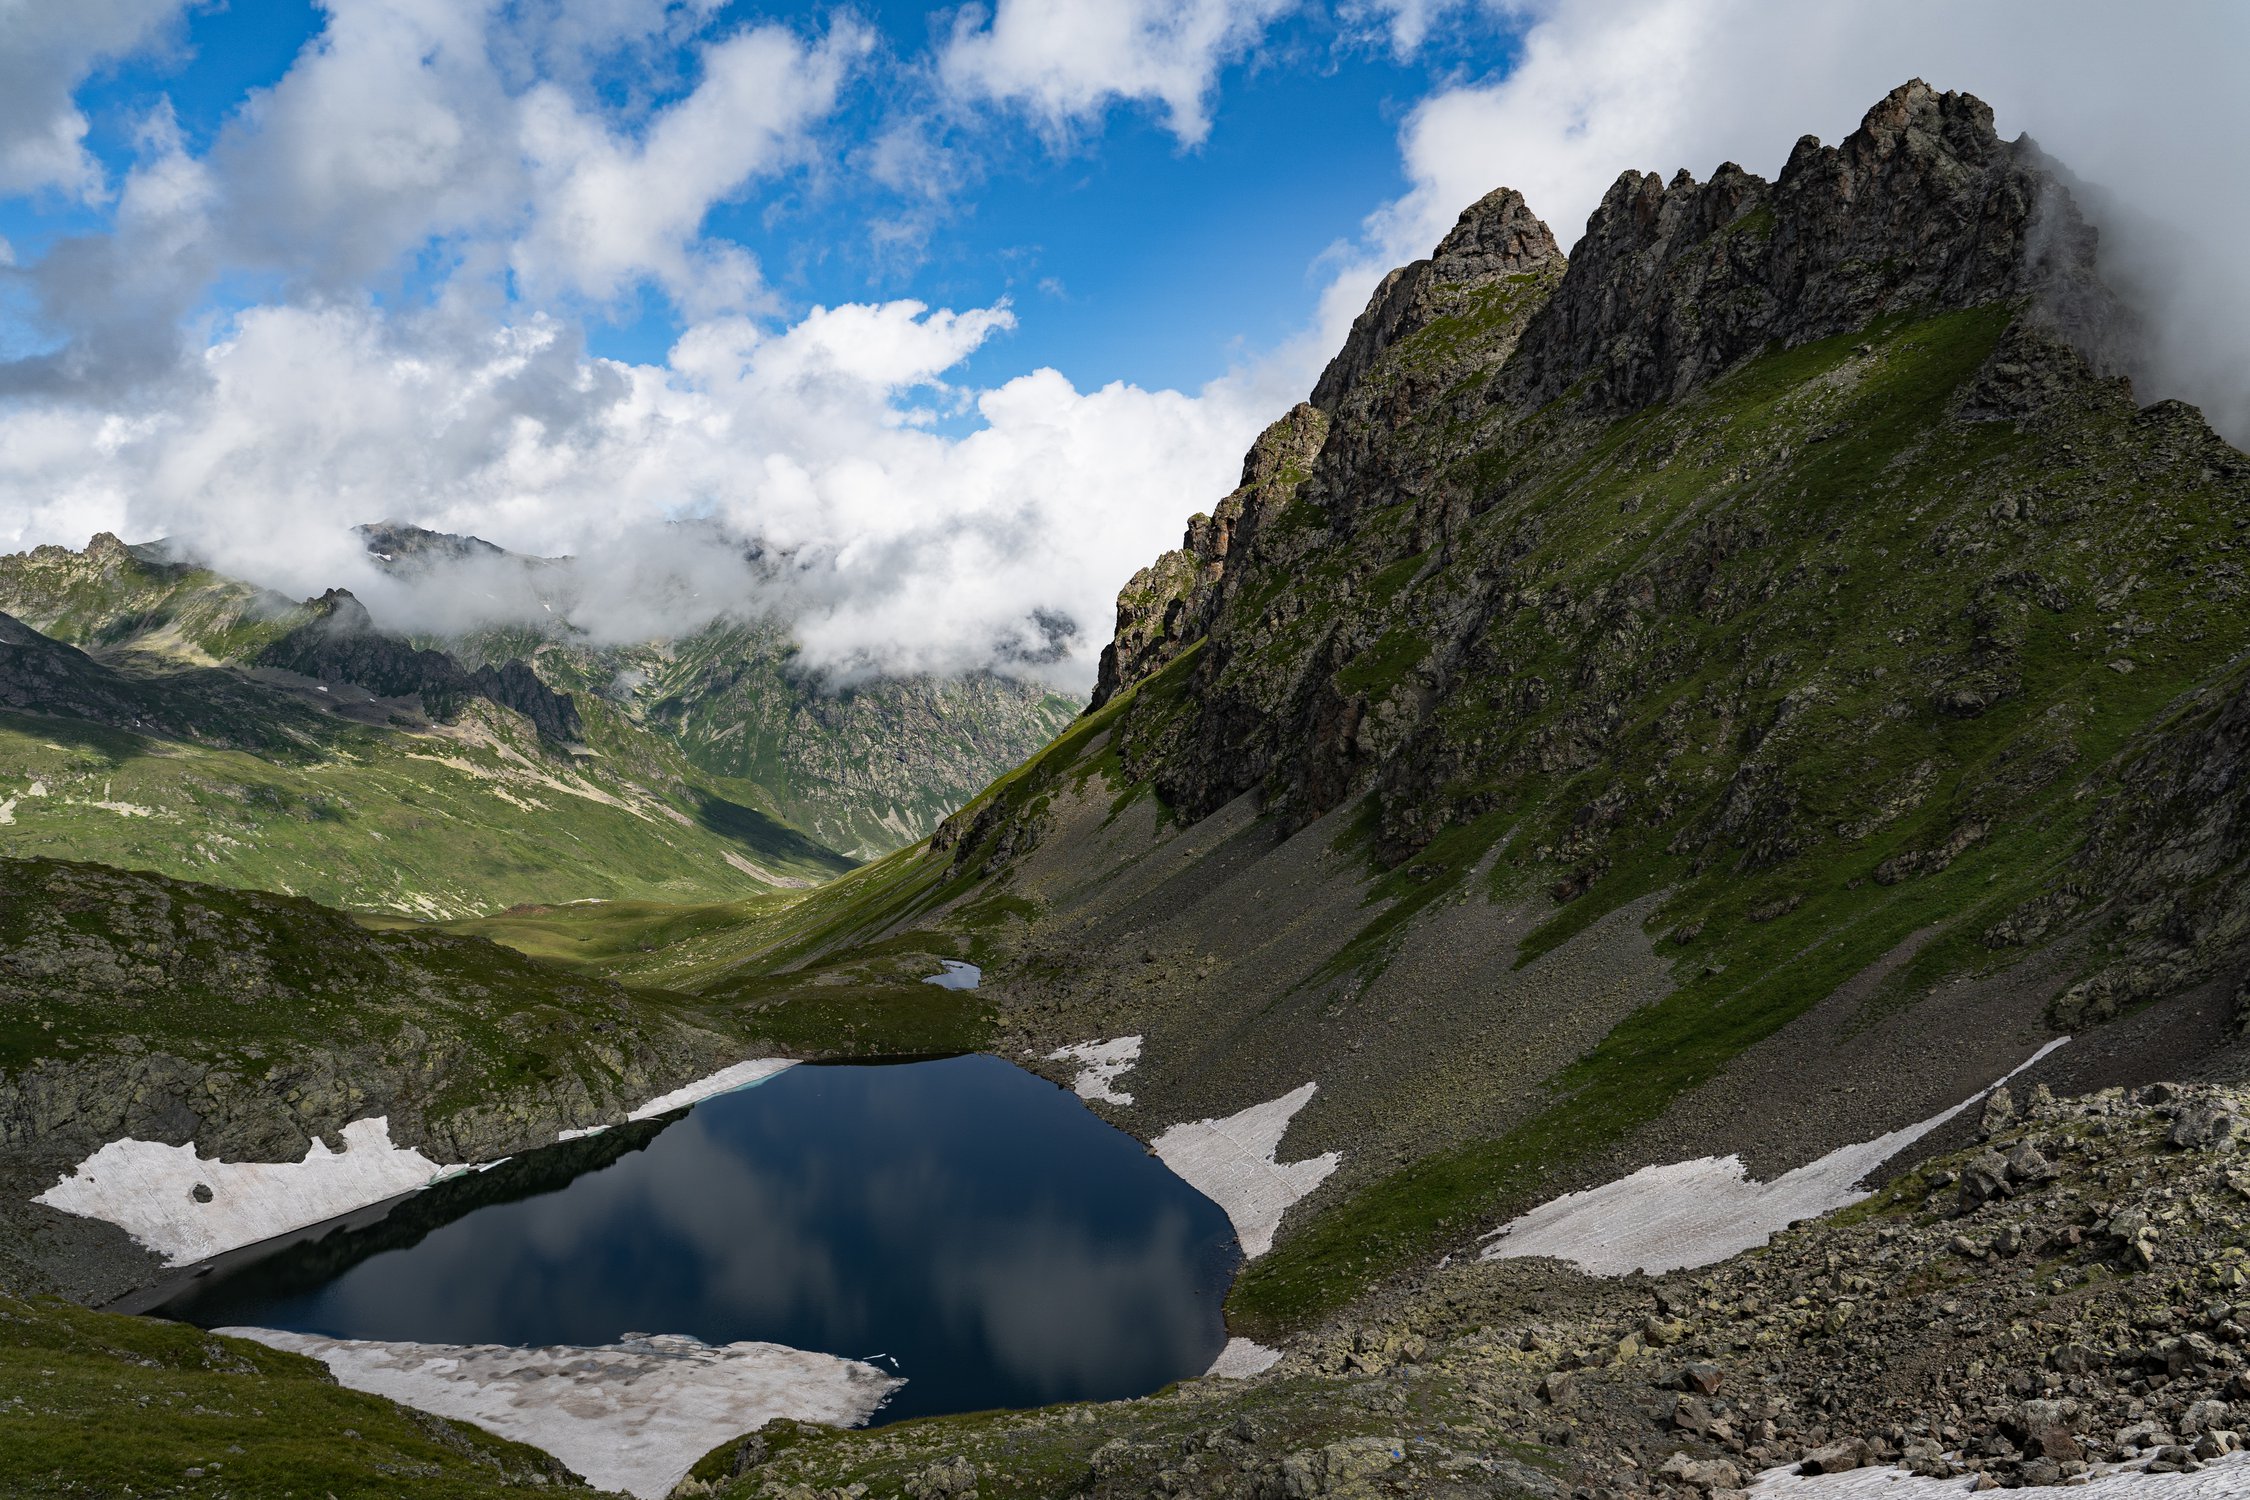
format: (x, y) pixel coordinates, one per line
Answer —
(632, 1416)
(1695, 1213)
(1232, 1162)
(1099, 1065)
(187, 1209)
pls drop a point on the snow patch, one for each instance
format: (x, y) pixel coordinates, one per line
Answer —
(150, 1190)
(1231, 1162)
(956, 975)
(187, 1208)
(1241, 1359)
(2225, 1478)
(1099, 1063)
(7, 811)
(632, 1416)
(1695, 1213)
(742, 1075)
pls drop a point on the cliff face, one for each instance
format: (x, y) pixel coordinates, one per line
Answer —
(1922, 208)
(1170, 604)
(1478, 386)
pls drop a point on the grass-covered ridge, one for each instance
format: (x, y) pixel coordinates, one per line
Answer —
(92, 1403)
(171, 748)
(438, 820)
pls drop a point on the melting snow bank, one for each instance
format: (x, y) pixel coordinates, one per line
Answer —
(2225, 1478)
(187, 1209)
(956, 975)
(630, 1416)
(742, 1075)
(1099, 1063)
(1243, 1358)
(1231, 1162)
(1694, 1213)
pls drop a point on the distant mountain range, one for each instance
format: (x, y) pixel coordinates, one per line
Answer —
(158, 715)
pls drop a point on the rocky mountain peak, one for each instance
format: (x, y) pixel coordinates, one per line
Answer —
(1496, 237)
(1923, 208)
(339, 612)
(108, 549)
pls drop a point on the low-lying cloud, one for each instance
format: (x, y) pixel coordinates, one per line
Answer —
(889, 542)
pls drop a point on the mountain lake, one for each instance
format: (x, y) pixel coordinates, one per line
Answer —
(957, 1222)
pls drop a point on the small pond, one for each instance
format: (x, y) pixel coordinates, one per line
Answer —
(996, 1243)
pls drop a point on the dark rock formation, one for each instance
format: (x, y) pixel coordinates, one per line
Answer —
(404, 548)
(1923, 207)
(341, 644)
(1496, 237)
(1170, 604)
(43, 676)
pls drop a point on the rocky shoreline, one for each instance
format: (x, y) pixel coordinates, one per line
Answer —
(2057, 1301)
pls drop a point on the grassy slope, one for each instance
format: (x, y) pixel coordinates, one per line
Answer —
(91, 957)
(440, 823)
(1795, 731)
(368, 805)
(95, 1404)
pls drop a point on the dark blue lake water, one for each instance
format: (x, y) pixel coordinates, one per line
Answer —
(976, 1224)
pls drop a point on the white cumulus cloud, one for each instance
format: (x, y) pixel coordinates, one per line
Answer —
(1067, 60)
(46, 50)
(906, 548)
(611, 211)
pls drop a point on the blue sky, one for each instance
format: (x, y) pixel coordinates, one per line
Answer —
(1127, 253)
(963, 308)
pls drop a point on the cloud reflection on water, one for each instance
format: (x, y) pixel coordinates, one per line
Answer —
(1007, 1246)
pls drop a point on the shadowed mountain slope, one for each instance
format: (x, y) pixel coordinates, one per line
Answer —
(1740, 690)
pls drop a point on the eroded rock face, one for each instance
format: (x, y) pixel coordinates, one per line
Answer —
(342, 644)
(1169, 605)
(1923, 207)
(1496, 238)
(1468, 370)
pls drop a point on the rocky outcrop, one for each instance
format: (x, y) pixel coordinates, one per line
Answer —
(2165, 868)
(1496, 238)
(1170, 604)
(1922, 208)
(341, 643)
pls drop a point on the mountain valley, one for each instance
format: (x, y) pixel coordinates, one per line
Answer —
(1741, 705)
